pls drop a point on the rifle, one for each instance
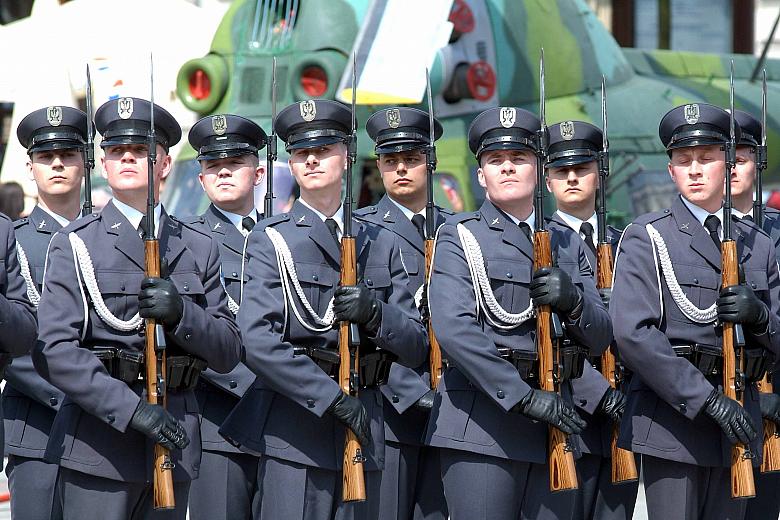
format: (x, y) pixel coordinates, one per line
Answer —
(271, 152)
(354, 486)
(89, 151)
(623, 463)
(742, 485)
(563, 474)
(430, 231)
(771, 446)
(154, 352)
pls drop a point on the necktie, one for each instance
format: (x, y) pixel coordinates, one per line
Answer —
(587, 229)
(526, 229)
(749, 218)
(419, 222)
(142, 227)
(334, 230)
(248, 223)
(711, 224)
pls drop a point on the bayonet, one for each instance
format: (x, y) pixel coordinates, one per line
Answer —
(89, 150)
(430, 225)
(761, 161)
(271, 152)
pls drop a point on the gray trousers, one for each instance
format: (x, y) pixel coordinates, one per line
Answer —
(678, 491)
(597, 497)
(32, 484)
(411, 485)
(480, 487)
(766, 504)
(86, 497)
(293, 491)
(226, 488)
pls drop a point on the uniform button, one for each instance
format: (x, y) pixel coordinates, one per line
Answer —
(500, 394)
(53, 401)
(396, 398)
(369, 281)
(753, 285)
(315, 277)
(233, 384)
(186, 287)
(122, 287)
(509, 275)
(696, 281)
(682, 407)
(235, 274)
(188, 336)
(310, 403)
(111, 418)
(583, 402)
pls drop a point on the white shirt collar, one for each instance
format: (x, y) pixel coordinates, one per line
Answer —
(406, 211)
(134, 216)
(236, 219)
(338, 216)
(575, 223)
(737, 213)
(701, 214)
(530, 220)
(59, 218)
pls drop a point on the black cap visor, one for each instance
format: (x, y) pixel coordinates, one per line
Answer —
(315, 139)
(399, 145)
(696, 137)
(571, 157)
(55, 141)
(222, 153)
(505, 142)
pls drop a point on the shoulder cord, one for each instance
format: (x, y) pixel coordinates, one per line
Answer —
(494, 312)
(84, 262)
(32, 291)
(233, 306)
(692, 312)
(288, 275)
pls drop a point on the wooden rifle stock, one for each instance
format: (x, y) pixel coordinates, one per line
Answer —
(623, 462)
(771, 445)
(435, 351)
(354, 486)
(563, 474)
(163, 468)
(742, 485)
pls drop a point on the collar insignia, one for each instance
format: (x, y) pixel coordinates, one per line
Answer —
(495, 221)
(42, 224)
(684, 226)
(217, 226)
(386, 215)
(300, 220)
(116, 225)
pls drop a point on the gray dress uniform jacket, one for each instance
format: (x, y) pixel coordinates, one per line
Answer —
(29, 401)
(480, 387)
(589, 389)
(218, 393)
(283, 414)
(405, 385)
(667, 392)
(91, 433)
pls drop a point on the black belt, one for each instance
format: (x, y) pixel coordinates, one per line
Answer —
(181, 371)
(708, 359)
(374, 367)
(571, 361)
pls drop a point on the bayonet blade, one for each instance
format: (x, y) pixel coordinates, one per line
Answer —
(542, 115)
(763, 109)
(273, 97)
(732, 130)
(354, 91)
(604, 113)
(430, 106)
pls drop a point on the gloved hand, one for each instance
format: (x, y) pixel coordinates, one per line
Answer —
(357, 304)
(613, 404)
(739, 304)
(553, 286)
(425, 312)
(606, 296)
(770, 407)
(159, 299)
(425, 403)
(351, 413)
(550, 408)
(731, 417)
(158, 424)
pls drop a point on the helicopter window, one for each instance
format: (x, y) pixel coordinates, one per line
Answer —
(273, 23)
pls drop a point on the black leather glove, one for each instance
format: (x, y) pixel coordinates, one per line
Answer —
(731, 417)
(160, 300)
(550, 408)
(739, 304)
(613, 404)
(357, 304)
(425, 403)
(606, 296)
(553, 286)
(770, 407)
(351, 413)
(425, 312)
(158, 424)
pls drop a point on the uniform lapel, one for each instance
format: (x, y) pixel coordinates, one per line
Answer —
(127, 240)
(510, 232)
(394, 219)
(225, 230)
(43, 222)
(171, 244)
(318, 231)
(700, 240)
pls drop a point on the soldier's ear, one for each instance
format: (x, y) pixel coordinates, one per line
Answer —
(103, 171)
(30, 169)
(259, 174)
(481, 177)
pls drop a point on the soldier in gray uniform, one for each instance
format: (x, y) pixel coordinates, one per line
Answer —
(666, 306)
(55, 138)
(573, 179)
(95, 296)
(491, 418)
(295, 413)
(411, 480)
(228, 154)
(766, 504)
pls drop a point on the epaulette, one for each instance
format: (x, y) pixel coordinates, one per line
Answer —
(193, 225)
(21, 222)
(446, 211)
(654, 216)
(81, 222)
(362, 212)
(193, 220)
(272, 221)
(773, 212)
(463, 217)
(6, 217)
(752, 225)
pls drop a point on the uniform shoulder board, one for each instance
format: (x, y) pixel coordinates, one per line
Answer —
(81, 222)
(272, 221)
(771, 212)
(445, 211)
(21, 222)
(463, 217)
(192, 224)
(654, 216)
(362, 212)
(6, 217)
(614, 230)
(192, 221)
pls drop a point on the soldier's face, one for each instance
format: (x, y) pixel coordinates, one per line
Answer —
(508, 176)
(574, 185)
(699, 173)
(230, 180)
(56, 172)
(126, 169)
(743, 175)
(319, 168)
(403, 173)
